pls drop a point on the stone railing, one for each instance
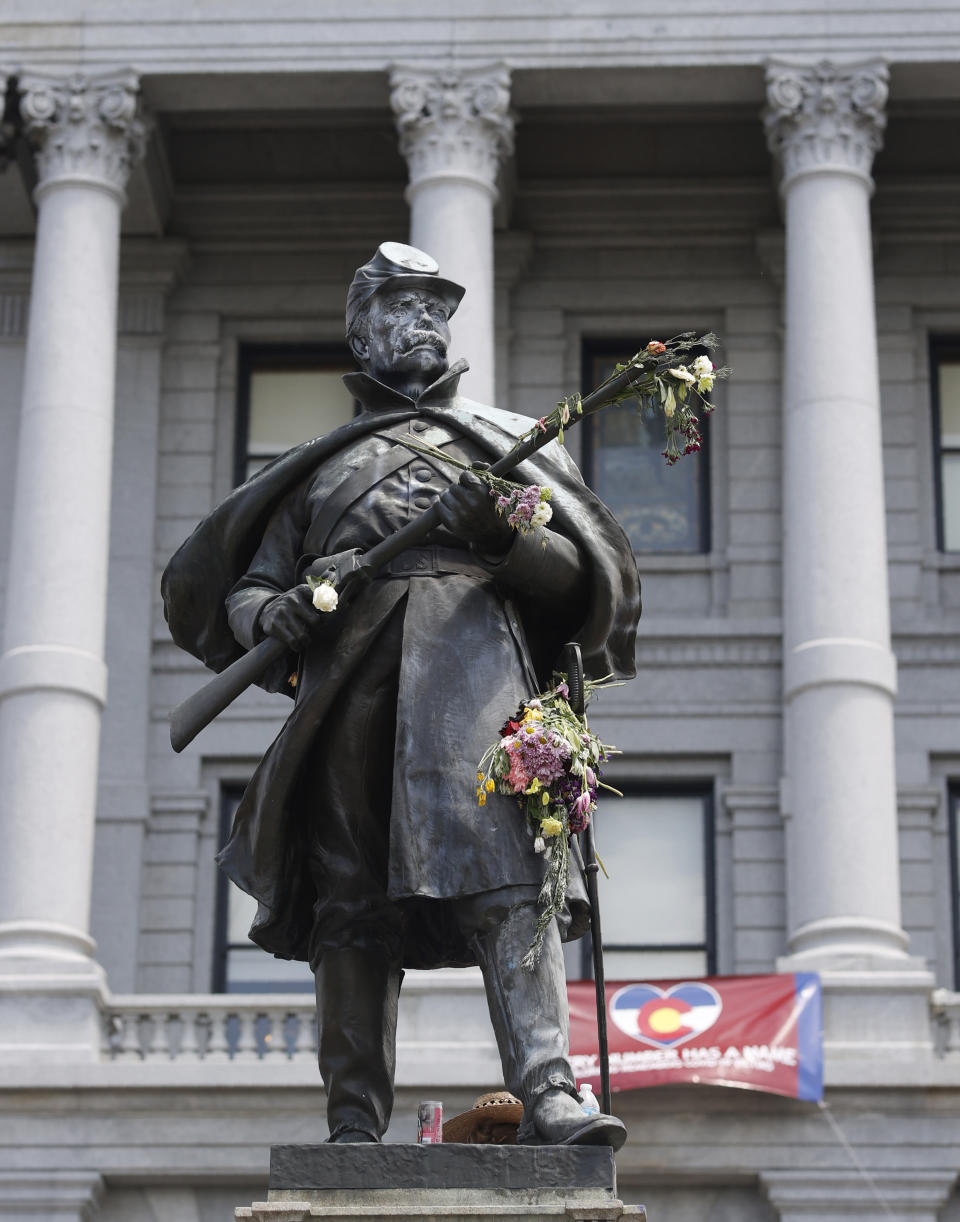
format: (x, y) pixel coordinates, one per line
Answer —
(210, 1027)
(945, 1007)
(442, 1028)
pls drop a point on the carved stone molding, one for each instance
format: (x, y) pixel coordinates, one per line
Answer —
(86, 128)
(13, 314)
(8, 130)
(453, 124)
(815, 1191)
(825, 116)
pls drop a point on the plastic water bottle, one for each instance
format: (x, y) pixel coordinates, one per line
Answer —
(590, 1104)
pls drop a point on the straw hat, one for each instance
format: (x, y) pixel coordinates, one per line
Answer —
(493, 1120)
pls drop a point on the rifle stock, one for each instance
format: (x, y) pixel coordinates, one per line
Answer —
(198, 710)
(192, 715)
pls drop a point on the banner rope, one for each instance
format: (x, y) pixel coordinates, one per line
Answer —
(842, 1138)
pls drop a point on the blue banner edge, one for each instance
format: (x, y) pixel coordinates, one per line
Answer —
(809, 1036)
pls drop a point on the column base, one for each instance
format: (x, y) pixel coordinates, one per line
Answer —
(52, 994)
(873, 1002)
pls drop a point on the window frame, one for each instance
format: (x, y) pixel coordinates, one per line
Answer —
(594, 347)
(230, 794)
(674, 789)
(253, 357)
(953, 839)
(942, 348)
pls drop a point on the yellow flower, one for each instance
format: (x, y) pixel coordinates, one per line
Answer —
(545, 798)
(479, 778)
(551, 827)
(535, 786)
(482, 799)
(490, 786)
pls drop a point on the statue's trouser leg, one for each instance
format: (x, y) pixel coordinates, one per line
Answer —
(528, 1009)
(531, 1020)
(357, 995)
(356, 945)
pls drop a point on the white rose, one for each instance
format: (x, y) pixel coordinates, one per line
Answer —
(703, 366)
(325, 597)
(541, 515)
(683, 373)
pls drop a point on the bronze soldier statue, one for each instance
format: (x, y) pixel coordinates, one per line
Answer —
(360, 833)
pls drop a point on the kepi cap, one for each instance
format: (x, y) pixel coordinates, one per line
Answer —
(398, 266)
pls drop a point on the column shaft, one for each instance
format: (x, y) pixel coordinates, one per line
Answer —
(452, 219)
(839, 671)
(455, 129)
(52, 673)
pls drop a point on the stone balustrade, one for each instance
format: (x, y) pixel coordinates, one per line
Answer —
(210, 1027)
(275, 1027)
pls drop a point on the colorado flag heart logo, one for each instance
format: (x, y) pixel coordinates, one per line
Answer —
(665, 1018)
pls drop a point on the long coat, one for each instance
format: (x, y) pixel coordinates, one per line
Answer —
(441, 845)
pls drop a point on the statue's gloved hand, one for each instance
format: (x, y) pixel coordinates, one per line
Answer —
(293, 619)
(468, 511)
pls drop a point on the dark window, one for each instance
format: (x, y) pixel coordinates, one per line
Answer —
(287, 393)
(662, 509)
(239, 965)
(657, 906)
(953, 808)
(945, 382)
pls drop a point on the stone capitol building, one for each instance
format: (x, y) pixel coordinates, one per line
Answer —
(186, 192)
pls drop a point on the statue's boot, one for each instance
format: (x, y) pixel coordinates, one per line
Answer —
(531, 1021)
(357, 996)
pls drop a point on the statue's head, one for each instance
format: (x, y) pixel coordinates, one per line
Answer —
(398, 313)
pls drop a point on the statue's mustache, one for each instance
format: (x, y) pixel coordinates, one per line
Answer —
(430, 339)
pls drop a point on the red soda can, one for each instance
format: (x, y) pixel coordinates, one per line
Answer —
(430, 1122)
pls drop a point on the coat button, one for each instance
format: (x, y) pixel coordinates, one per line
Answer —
(423, 474)
(422, 502)
(420, 426)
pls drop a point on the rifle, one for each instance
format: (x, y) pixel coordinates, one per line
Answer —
(192, 715)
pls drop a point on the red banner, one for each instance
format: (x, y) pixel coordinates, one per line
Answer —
(757, 1032)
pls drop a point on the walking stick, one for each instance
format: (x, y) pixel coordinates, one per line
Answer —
(571, 662)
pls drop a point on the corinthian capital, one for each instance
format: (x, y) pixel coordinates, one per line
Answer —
(825, 116)
(453, 124)
(83, 127)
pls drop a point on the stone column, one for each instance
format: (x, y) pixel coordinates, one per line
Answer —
(86, 133)
(455, 129)
(824, 124)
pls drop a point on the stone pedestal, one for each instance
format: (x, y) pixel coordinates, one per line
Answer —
(453, 1182)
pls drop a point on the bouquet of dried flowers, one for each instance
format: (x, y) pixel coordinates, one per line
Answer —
(549, 760)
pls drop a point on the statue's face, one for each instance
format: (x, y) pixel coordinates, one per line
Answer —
(407, 332)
